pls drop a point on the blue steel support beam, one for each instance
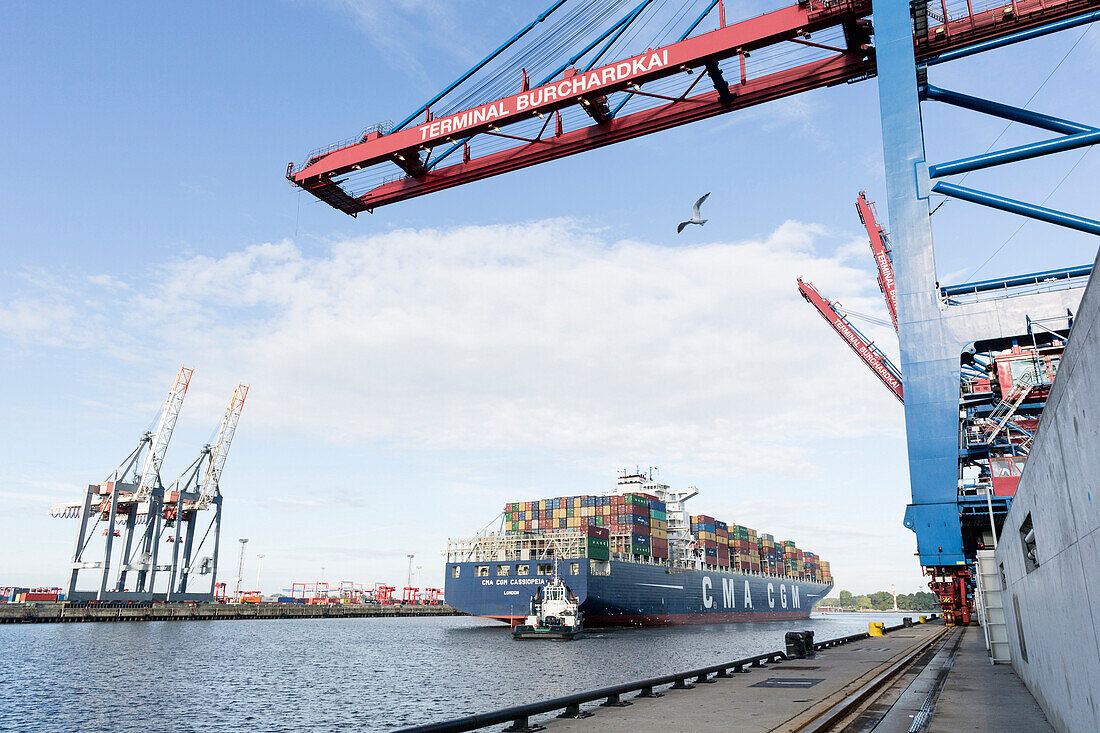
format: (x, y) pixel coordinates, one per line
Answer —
(633, 16)
(699, 20)
(1019, 280)
(481, 64)
(626, 19)
(1011, 155)
(1004, 111)
(622, 22)
(929, 357)
(1071, 221)
(684, 35)
(1028, 34)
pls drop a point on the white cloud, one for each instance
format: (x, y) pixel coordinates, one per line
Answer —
(40, 320)
(799, 113)
(396, 27)
(538, 335)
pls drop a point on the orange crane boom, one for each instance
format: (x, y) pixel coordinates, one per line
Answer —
(871, 355)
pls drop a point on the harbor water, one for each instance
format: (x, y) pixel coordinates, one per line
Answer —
(363, 674)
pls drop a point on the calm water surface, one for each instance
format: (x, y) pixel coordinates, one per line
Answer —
(335, 674)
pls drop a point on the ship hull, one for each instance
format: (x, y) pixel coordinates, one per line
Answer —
(620, 593)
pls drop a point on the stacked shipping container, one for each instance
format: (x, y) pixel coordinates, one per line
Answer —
(741, 548)
(637, 524)
(631, 524)
(26, 595)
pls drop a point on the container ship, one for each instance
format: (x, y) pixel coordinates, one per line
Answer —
(633, 557)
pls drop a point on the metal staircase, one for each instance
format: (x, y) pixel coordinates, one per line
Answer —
(1004, 410)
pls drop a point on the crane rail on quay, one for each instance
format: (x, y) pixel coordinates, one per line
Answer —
(827, 682)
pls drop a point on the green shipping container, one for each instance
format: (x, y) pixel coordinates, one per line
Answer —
(638, 500)
(655, 514)
(598, 548)
(639, 549)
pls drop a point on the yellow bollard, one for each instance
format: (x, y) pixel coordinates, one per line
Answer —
(876, 628)
(922, 619)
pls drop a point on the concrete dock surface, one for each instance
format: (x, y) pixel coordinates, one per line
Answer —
(967, 692)
(981, 696)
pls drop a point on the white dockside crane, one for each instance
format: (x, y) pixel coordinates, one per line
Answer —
(135, 495)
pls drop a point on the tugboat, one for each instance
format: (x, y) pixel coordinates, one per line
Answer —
(554, 614)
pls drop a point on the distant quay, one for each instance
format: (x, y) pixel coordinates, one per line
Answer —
(52, 613)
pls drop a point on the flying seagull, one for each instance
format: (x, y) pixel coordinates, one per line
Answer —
(696, 217)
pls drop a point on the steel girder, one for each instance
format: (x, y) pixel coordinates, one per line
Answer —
(934, 330)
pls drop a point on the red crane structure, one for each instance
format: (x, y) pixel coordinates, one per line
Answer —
(871, 355)
(880, 248)
(383, 594)
(585, 96)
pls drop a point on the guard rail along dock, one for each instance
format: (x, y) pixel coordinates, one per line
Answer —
(884, 681)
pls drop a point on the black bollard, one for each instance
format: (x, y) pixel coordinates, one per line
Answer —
(796, 645)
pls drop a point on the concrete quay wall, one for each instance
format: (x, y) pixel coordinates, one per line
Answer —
(31, 613)
(1052, 604)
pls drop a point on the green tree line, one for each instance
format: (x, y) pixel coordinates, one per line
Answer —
(883, 601)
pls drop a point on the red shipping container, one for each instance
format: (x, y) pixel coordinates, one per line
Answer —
(40, 597)
(601, 532)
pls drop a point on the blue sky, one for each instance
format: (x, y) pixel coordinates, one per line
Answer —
(521, 337)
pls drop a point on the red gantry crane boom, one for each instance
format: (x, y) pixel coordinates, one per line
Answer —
(872, 355)
(386, 163)
(880, 248)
